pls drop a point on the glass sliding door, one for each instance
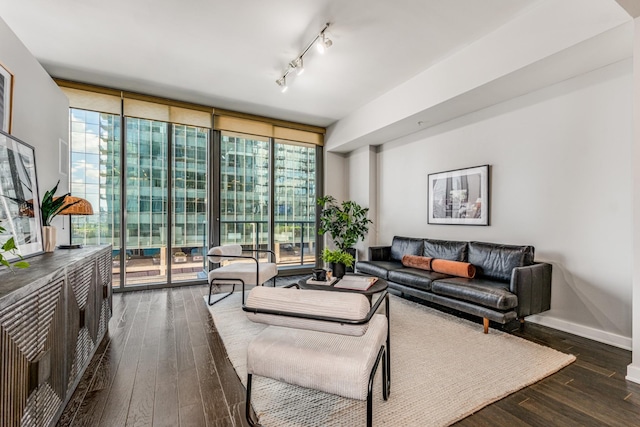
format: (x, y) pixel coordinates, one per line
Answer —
(295, 202)
(146, 201)
(244, 190)
(95, 176)
(162, 160)
(189, 200)
(246, 182)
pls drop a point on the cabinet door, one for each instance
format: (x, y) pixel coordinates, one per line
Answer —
(105, 291)
(32, 337)
(82, 325)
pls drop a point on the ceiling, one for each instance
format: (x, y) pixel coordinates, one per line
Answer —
(229, 53)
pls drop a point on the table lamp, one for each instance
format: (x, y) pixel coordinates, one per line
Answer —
(76, 206)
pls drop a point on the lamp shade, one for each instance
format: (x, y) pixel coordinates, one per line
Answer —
(76, 206)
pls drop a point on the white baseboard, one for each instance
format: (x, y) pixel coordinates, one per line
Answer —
(633, 373)
(583, 331)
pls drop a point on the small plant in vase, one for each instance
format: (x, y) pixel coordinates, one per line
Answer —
(50, 207)
(337, 261)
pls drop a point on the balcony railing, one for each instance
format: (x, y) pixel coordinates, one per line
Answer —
(294, 240)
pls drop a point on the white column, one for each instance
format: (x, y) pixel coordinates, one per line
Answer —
(633, 370)
(362, 174)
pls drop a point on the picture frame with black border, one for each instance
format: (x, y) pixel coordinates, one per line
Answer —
(459, 196)
(20, 204)
(6, 99)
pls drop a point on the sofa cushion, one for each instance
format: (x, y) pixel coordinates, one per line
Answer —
(496, 261)
(415, 261)
(308, 302)
(454, 268)
(405, 246)
(377, 268)
(489, 293)
(445, 249)
(414, 277)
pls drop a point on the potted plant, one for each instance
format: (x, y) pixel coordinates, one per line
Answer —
(10, 247)
(337, 260)
(346, 223)
(49, 208)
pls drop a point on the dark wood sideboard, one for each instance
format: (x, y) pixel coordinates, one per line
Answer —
(53, 316)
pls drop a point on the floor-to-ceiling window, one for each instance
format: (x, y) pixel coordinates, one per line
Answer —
(189, 201)
(95, 176)
(244, 190)
(146, 201)
(245, 207)
(95, 164)
(295, 202)
(148, 176)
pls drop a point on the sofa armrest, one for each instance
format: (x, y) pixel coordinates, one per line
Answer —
(532, 285)
(379, 253)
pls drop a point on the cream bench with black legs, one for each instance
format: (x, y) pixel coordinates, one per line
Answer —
(328, 341)
(248, 271)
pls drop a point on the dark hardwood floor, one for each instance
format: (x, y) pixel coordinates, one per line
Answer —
(163, 364)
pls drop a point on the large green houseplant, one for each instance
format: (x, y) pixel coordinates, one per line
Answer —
(346, 223)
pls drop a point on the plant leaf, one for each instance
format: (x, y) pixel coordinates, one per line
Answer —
(9, 245)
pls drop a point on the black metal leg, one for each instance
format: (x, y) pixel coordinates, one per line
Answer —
(388, 355)
(385, 378)
(219, 299)
(247, 409)
(370, 388)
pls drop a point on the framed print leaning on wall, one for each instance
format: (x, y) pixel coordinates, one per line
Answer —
(459, 197)
(19, 199)
(6, 94)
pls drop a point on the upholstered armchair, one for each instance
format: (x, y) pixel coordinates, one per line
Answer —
(247, 270)
(328, 341)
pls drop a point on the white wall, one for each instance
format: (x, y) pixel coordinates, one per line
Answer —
(40, 112)
(561, 180)
(40, 109)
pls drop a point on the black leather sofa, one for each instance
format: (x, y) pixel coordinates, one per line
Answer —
(508, 284)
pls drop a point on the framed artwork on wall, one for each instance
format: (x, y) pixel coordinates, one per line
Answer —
(459, 197)
(6, 95)
(19, 199)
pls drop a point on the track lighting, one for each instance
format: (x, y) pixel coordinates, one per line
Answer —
(321, 41)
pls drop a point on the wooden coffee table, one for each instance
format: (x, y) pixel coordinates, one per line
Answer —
(379, 286)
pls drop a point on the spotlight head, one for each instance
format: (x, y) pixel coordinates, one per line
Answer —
(300, 66)
(323, 43)
(282, 82)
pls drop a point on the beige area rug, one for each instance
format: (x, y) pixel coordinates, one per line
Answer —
(443, 369)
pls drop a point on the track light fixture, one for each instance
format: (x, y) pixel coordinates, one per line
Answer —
(321, 41)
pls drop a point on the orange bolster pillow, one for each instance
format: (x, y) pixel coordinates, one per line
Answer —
(454, 268)
(415, 261)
